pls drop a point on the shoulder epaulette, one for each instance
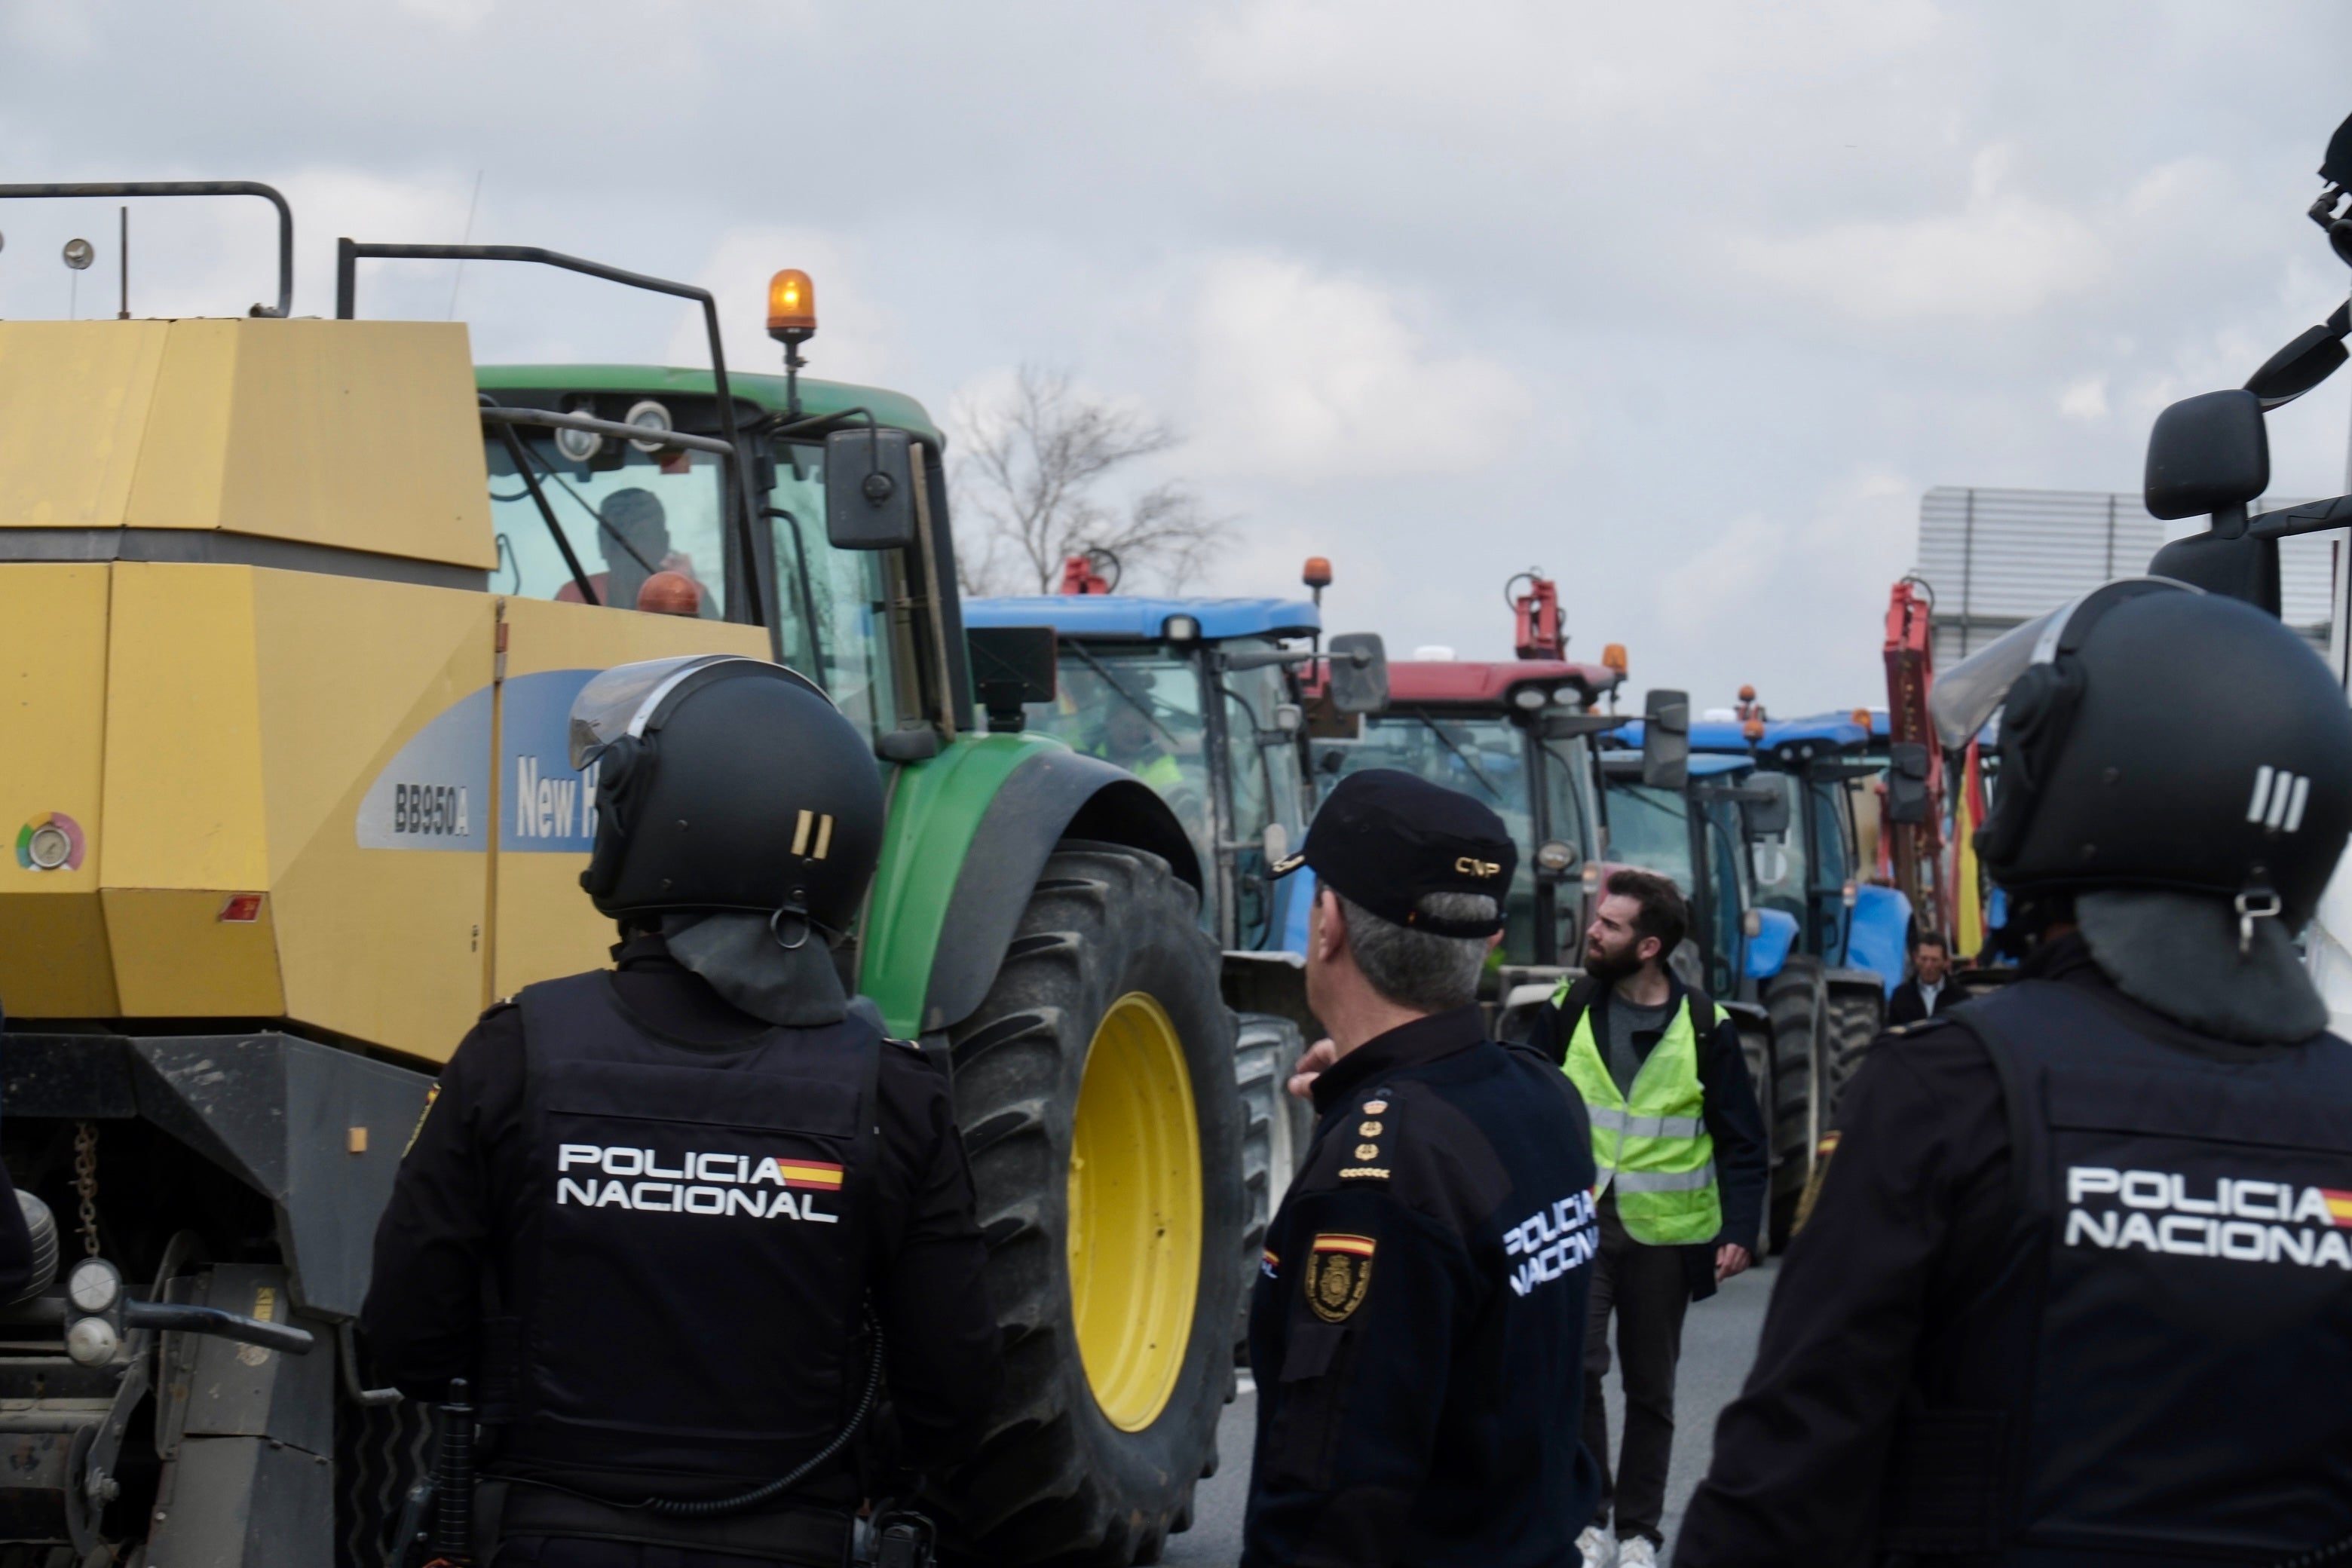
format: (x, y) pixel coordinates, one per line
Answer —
(903, 1045)
(1368, 1136)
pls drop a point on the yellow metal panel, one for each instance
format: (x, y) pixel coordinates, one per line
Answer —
(74, 398)
(384, 944)
(361, 435)
(546, 926)
(184, 961)
(185, 452)
(53, 957)
(183, 802)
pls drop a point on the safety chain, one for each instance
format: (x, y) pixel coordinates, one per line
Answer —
(86, 1182)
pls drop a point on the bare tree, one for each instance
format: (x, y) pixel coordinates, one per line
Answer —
(1025, 483)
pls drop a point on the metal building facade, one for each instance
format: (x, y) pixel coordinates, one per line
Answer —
(1994, 558)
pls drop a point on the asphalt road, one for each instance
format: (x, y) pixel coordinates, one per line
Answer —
(1718, 1343)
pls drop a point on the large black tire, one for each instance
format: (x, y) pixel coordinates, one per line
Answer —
(1278, 1126)
(1855, 1016)
(1055, 1480)
(1792, 998)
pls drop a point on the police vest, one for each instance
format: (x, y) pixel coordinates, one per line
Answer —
(687, 1282)
(2186, 1393)
(1653, 1145)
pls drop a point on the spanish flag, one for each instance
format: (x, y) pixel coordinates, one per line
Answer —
(2339, 1205)
(1362, 1246)
(813, 1174)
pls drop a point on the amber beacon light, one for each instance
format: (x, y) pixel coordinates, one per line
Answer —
(792, 306)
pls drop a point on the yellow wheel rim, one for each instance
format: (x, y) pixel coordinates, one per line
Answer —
(1135, 1212)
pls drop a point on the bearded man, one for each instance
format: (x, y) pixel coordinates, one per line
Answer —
(1679, 1146)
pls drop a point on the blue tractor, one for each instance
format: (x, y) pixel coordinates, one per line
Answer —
(1757, 821)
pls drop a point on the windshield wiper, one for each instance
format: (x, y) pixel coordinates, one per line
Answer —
(1460, 755)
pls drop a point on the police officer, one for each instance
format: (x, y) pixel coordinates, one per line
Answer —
(1419, 1316)
(2076, 1287)
(650, 1207)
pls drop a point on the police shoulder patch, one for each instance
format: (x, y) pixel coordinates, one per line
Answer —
(1338, 1274)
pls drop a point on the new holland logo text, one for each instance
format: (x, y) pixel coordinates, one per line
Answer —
(2242, 1220)
(1551, 1242)
(769, 1187)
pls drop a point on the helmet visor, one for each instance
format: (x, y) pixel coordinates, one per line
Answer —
(1964, 699)
(620, 701)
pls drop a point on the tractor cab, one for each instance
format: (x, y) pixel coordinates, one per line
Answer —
(1192, 697)
(1695, 833)
(1516, 736)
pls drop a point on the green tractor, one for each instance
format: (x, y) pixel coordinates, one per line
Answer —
(303, 605)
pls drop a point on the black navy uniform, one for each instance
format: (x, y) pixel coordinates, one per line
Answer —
(645, 1224)
(1418, 1325)
(2083, 1296)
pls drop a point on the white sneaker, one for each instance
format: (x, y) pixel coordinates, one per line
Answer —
(1600, 1550)
(1636, 1553)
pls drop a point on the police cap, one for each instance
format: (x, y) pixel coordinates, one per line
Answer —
(1385, 840)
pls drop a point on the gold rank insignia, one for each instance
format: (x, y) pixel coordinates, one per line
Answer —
(1375, 1106)
(1368, 1151)
(1368, 1129)
(1338, 1272)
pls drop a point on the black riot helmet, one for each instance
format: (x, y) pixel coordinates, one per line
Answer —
(2155, 736)
(726, 783)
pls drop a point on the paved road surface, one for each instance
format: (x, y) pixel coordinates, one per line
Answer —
(1718, 1343)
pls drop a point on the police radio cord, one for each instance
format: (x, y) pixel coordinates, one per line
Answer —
(714, 1507)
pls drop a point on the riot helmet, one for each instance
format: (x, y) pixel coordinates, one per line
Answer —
(726, 785)
(2153, 736)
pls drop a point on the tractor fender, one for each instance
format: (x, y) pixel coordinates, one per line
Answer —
(1769, 949)
(967, 844)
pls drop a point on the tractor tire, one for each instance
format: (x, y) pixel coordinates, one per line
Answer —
(1854, 1019)
(1095, 1091)
(1277, 1129)
(1756, 1049)
(1793, 998)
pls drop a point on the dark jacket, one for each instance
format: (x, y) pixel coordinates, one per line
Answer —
(465, 1184)
(1910, 1290)
(1743, 1163)
(1418, 1325)
(1909, 1006)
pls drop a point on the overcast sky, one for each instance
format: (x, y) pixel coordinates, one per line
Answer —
(1685, 303)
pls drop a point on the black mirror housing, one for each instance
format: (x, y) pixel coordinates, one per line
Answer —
(1907, 782)
(1766, 815)
(869, 490)
(2242, 566)
(1359, 673)
(1666, 739)
(2207, 454)
(1012, 667)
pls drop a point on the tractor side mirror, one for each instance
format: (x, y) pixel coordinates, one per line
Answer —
(1666, 739)
(1359, 673)
(1766, 814)
(869, 490)
(1012, 667)
(1907, 782)
(2207, 454)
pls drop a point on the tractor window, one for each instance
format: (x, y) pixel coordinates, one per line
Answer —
(631, 514)
(1482, 755)
(1567, 773)
(1252, 748)
(627, 516)
(1778, 862)
(1728, 904)
(832, 605)
(1650, 829)
(1142, 712)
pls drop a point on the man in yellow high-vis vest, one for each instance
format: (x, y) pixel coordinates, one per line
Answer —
(1678, 1144)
